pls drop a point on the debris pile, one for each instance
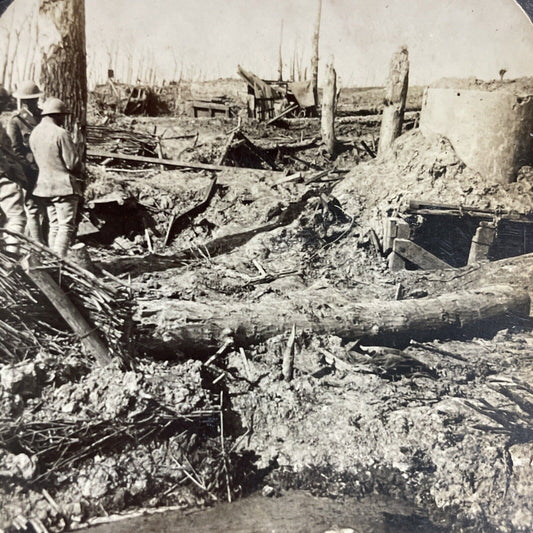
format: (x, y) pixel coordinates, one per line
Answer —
(111, 438)
(30, 322)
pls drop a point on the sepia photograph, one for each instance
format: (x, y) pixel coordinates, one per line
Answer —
(266, 266)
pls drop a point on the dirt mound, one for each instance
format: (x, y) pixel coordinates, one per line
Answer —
(427, 168)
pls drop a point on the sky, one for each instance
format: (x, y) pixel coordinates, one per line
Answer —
(208, 38)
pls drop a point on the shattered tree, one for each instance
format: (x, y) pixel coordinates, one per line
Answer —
(328, 110)
(395, 98)
(63, 59)
(314, 60)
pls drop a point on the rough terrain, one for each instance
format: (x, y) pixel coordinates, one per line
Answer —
(444, 424)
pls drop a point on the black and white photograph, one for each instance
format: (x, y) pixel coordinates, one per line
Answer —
(266, 266)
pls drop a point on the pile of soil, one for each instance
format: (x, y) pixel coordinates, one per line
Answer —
(104, 439)
(427, 169)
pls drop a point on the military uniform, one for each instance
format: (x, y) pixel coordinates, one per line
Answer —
(12, 180)
(57, 186)
(19, 128)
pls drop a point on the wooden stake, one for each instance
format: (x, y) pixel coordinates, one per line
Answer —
(395, 98)
(328, 110)
(288, 356)
(87, 334)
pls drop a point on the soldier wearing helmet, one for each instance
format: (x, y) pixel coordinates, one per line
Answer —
(19, 129)
(57, 189)
(12, 177)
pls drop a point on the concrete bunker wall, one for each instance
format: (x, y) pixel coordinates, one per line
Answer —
(489, 130)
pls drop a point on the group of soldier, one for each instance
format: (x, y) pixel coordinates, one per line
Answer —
(39, 174)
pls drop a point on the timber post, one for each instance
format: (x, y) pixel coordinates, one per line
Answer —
(87, 334)
(329, 97)
(395, 98)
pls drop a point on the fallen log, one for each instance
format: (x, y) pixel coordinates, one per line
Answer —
(192, 326)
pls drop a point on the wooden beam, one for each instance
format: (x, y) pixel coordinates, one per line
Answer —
(86, 333)
(417, 255)
(159, 161)
(282, 114)
(431, 208)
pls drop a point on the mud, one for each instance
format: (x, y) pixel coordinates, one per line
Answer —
(446, 426)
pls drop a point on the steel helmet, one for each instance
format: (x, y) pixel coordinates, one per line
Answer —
(27, 90)
(54, 106)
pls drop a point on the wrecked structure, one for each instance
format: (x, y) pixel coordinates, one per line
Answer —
(488, 124)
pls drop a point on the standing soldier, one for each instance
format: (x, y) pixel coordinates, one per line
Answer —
(58, 188)
(12, 178)
(19, 129)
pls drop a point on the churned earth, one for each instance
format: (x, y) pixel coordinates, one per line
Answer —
(445, 425)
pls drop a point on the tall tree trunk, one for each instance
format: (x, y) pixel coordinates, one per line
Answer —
(314, 60)
(329, 97)
(395, 97)
(63, 59)
(280, 58)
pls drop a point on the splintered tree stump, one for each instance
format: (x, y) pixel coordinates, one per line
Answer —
(395, 98)
(192, 326)
(329, 97)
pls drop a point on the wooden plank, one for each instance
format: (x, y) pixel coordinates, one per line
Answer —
(86, 333)
(395, 228)
(193, 211)
(282, 114)
(210, 106)
(431, 208)
(158, 160)
(410, 251)
(226, 148)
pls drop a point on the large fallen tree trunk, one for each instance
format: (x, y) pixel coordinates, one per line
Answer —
(191, 326)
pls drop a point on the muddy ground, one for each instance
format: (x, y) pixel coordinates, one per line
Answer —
(445, 424)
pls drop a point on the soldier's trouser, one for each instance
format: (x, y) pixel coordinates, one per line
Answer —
(12, 207)
(34, 222)
(61, 211)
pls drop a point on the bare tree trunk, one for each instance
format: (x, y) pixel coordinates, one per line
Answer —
(280, 64)
(63, 59)
(314, 60)
(194, 326)
(12, 58)
(329, 97)
(395, 97)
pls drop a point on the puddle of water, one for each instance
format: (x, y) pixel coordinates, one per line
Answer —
(294, 512)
